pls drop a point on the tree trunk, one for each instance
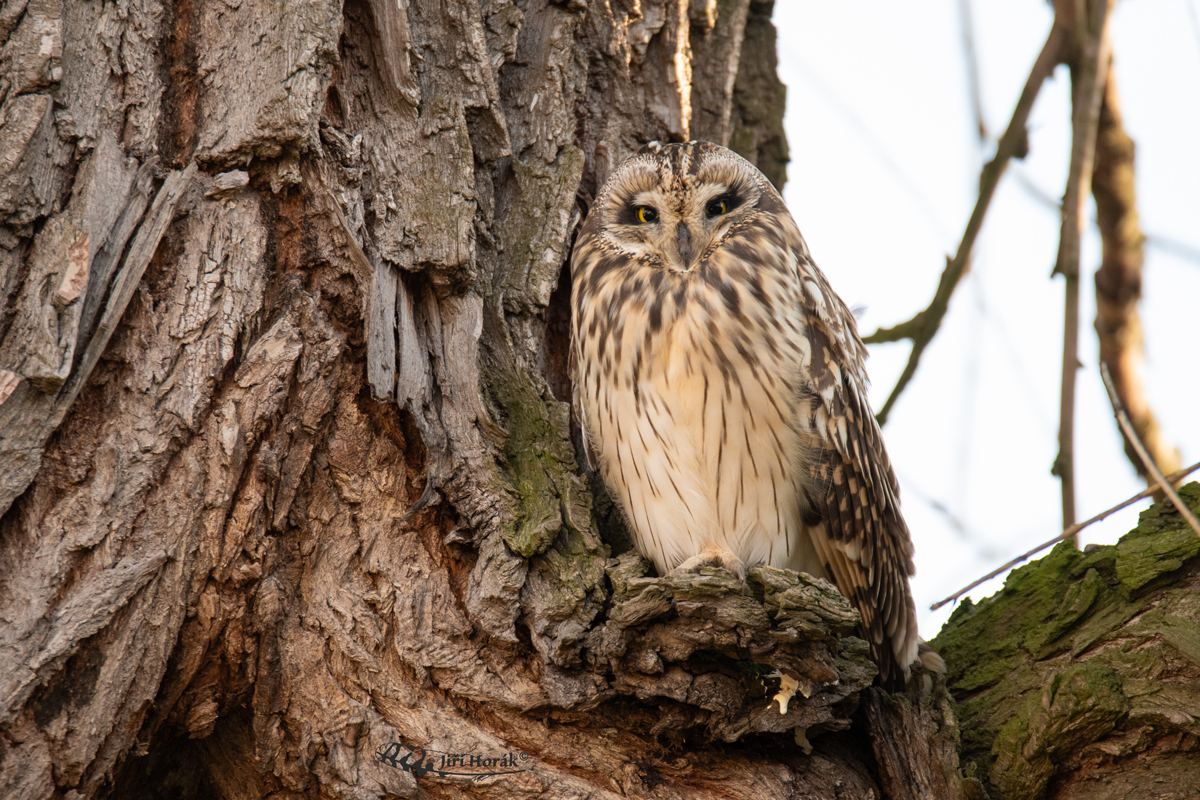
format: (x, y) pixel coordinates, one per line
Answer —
(287, 478)
(290, 501)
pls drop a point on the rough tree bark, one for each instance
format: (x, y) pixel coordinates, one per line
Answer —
(286, 475)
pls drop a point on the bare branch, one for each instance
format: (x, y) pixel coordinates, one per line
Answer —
(1157, 241)
(1069, 533)
(1132, 437)
(1119, 281)
(1089, 65)
(1013, 144)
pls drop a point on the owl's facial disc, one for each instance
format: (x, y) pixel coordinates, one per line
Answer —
(678, 226)
(671, 205)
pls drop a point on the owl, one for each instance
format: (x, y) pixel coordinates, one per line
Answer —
(721, 388)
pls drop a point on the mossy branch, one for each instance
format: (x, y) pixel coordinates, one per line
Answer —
(1075, 675)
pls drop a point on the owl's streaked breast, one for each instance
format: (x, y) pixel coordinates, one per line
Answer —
(690, 403)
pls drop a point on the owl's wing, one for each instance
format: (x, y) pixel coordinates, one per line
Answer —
(862, 537)
(583, 444)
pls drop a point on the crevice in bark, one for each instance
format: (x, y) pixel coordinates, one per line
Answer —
(181, 96)
(174, 768)
(16, 275)
(558, 337)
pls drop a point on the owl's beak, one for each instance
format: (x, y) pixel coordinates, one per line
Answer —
(684, 243)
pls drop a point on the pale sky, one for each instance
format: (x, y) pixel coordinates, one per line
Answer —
(884, 173)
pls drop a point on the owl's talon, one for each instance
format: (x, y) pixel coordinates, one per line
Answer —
(721, 559)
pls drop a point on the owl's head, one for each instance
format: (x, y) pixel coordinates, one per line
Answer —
(669, 203)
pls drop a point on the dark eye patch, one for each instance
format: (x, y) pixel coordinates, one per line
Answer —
(722, 204)
(639, 214)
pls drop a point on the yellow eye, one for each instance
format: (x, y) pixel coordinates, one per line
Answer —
(716, 208)
(646, 214)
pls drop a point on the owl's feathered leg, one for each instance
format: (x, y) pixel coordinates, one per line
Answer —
(929, 658)
(932, 662)
(713, 556)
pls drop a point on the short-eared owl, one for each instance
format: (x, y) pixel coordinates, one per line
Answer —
(721, 387)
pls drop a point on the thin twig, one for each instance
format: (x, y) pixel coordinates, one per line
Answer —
(1066, 534)
(1089, 65)
(1175, 247)
(1155, 241)
(971, 55)
(1132, 437)
(869, 138)
(1191, 7)
(1013, 144)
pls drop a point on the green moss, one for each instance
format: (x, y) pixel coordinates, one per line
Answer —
(553, 512)
(1158, 545)
(551, 524)
(539, 464)
(1183, 635)
(1062, 653)
(1078, 600)
(1015, 621)
(1078, 706)
(578, 553)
